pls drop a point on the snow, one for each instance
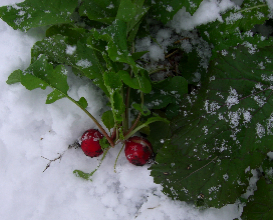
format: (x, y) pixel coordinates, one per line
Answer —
(31, 130)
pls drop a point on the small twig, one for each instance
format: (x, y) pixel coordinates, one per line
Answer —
(57, 158)
(169, 55)
(75, 145)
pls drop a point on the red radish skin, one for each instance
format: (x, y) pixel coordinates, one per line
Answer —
(90, 143)
(138, 150)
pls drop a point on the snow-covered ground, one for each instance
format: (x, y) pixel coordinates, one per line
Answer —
(30, 129)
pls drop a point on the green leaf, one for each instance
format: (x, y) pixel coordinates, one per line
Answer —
(14, 77)
(104, 143)
(131, 12)
(83, 102)
(260, 205)
(103, 11)
(32, 13)
(170, 90)
(236, 28)
(164, 10)
(116, 37)
(141, 80)
(142, 108)
(87, 60)
(86, 176)
(221, 131)
(138, 55)
(114, 85)
(159, 134)
(190, 68)
(41, 74)
(107, 119)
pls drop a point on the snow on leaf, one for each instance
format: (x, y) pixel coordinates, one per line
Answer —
(226, 130)
(31, 13)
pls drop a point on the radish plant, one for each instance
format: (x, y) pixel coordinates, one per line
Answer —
(217, 134)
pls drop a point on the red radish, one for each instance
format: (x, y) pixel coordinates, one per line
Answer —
(138, 150)
(90, 143)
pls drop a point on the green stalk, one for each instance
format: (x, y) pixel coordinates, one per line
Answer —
(95, 120)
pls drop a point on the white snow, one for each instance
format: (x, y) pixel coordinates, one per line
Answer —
(30, 129)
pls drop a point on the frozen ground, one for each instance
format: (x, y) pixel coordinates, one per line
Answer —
(30, 129)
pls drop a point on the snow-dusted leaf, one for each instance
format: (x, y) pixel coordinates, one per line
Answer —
(260, 205)
(164, 10)
(116, 36)
(85, 59)
(141, 81)
(103, 11)
(170, 90)
(131, 12)
(222, 131)
(33, 13)
(41, 74)
(236, 28)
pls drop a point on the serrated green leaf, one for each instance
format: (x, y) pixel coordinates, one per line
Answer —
(116, 36)
(41, 74)
(112, 81)
(236, 27)
(164, 10)
(103, 11)
(32, 13)
(104, 144)
(230, 120)
(108, 119)
(14, 77)
(260, 205)
(87, 60)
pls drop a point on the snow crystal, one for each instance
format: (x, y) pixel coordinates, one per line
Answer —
(211, 107)
(269, 125)
(169, 8)
(261, 65)
(225, 176)
(232, 99)
(110, 6)
(260, 130)
(84, 63)
(70, 49)
(233, 17)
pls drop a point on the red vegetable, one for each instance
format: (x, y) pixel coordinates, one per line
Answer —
(138, 150)
(90, 143)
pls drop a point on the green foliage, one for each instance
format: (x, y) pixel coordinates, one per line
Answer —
(234, 102)
(165, 10)
(216, 135)
(260, 205)
(235, 27)
(33, 13)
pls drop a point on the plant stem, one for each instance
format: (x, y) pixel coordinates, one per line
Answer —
(118, 157)
(133, 126)
(95, 120)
